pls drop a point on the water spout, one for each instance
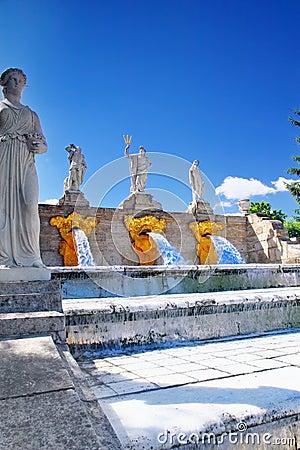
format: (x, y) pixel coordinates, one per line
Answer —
(169, 254)
(226, 252)
(83, 250)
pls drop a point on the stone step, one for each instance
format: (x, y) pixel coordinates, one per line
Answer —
(33, 323)
(25, 287)
(122, 322)
(30, 302)
(30, 296)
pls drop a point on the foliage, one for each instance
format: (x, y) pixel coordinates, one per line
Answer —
(264, 208)
(293, 228)
(294, 186)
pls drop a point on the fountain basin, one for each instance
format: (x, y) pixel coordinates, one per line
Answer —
(129, 281)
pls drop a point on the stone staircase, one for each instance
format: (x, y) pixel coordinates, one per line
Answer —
(31, 308)
(40, 379)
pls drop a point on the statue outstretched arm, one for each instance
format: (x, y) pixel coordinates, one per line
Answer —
(126, 151)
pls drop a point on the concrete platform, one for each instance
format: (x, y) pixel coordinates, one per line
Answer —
(43, 405)
(241, 393)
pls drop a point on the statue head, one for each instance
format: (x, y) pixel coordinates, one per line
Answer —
(8, 73)
(142, 150)
(196, 162)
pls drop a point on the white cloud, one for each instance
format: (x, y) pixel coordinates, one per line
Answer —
(226, 204)
(236, 188)
(50, 201)
(279, 184)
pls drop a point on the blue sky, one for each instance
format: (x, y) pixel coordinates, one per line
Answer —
(195, 79)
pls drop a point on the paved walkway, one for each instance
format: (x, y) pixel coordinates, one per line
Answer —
(44, 403)
(209, 393)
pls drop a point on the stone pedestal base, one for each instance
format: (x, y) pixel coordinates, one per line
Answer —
(73, 198)
(140, 201)
(200, 208)
(9, 274)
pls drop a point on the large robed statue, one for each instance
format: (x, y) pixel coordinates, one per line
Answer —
(21, 137)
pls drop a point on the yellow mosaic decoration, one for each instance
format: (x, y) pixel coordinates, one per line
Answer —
(65, 226)
(205, 249)
(143, 245)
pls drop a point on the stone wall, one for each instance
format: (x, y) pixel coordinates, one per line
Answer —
(110, 242)
(268, 242)
(258, 239)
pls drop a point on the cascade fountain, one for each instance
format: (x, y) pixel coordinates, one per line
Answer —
(128, 307)
(140, 279)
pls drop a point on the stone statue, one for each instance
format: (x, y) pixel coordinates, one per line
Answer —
(77, 169)
(139, 165)
(196, 181)
(21, 138)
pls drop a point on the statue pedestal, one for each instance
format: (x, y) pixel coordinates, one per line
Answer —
(200, 208)
(72, 198)
(140, 201)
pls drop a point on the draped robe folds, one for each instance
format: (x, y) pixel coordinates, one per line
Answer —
(19, 218)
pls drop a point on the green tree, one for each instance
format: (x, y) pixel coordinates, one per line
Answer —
(293, 227)
(294, 186)
(264, 208)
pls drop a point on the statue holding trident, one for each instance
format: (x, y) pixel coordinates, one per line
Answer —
(139, 165)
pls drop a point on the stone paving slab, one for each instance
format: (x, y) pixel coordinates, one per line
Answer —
(45, 403)
(259, 387)
(53, 420)
(29, 366)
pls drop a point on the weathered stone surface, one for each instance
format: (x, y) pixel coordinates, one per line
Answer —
(26, 287)
(49, 421)
(29, 302)
(39, 408)
(139, 201)
(30, 296)
(74, 199)
(100, 423)
(25, 367)
(30, 323)
(200, 208)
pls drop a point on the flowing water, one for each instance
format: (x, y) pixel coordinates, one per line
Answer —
(83, 250)
(227, 253)
(169, 254)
